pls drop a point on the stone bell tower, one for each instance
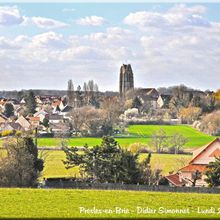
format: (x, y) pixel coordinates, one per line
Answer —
(126, 81)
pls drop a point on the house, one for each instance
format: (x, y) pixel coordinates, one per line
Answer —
(175, 180)
(22, 102)
(2, 103)
(59, 127)
(201, 158)
(148, 96)
(10, 126)
(41, 114)
(66, 110)
(34, 121)
(19, 111)
(163, 101)
(38, 100)
(55, 118)
(3, 118)
(23, 122)
(60, 104)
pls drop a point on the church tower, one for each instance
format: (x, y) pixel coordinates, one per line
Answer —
(126, 81)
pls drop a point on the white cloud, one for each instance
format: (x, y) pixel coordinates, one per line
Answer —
(46, 23)
(159, 56)
(49, 40)
(10, 16)
(178, 16)
(6, 44)
(91, 21)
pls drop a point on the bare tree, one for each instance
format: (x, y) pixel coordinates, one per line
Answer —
(113, 108)
(78, 118)
(176, 142)
(159, 141)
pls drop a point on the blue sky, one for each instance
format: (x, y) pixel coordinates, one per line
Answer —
(42, 45)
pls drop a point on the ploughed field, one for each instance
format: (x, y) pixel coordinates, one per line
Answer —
(60, 203)
(137, 134)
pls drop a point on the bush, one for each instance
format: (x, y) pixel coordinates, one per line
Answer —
(172, 150)
(21, 166)
(138, 148)
(7, 133)
(18, 133)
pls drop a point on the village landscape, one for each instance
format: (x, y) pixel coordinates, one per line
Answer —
(137, 151)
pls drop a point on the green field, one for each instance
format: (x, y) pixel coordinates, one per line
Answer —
(138, 133)
(54, 166)
(42, 203)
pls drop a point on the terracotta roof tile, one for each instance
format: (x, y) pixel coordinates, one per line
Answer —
(215, 153)
(175, 180)
(194, 167)
(34, 118)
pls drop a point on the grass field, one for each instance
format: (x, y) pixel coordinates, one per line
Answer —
(42, 203)
(139, 133)
(54, 166)
(136, 134)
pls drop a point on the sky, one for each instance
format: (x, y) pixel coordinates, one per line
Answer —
(43, 45)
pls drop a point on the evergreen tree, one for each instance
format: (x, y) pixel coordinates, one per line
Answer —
(136, 103)
(70, 92)
(213, 173)
(9, 110)
(30, 102)
(79, 97)
(105, 163)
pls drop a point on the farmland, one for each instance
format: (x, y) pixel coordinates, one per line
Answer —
(135, 134)
(138, 133)
(54, 166)
(42, 203)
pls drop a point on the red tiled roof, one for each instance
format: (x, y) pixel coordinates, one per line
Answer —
(57, 103)
(34, 118)
(193, 167)
(215, 153)
(175, 180)
(204, 149)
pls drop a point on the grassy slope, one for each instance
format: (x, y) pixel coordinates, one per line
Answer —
(139, 133)
(195, 137)
(65, 203)
(54, 166)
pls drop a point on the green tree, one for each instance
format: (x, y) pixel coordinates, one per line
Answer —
(45, 122)
(70, 92)
(9, 110)
(94, 101)
(105, 163)
(213, 173)
(79, 97)
(30, 102)
(136, 103)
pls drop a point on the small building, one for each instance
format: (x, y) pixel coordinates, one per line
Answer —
(201, 158)
(41, 114)
(34, 121)
(3, 118)
(10, 126)
(163, 101)
(25, 124)
(55, 118)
